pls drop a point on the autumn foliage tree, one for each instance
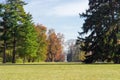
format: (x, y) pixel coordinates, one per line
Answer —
(42, 42)
(55, 47)
(59, 56)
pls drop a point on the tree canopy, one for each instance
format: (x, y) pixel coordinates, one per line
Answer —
(102, 24)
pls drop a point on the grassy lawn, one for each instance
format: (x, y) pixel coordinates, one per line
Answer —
(60, 72)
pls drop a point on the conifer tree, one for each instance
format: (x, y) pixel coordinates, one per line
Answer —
(102, 24)
(29, 43)
(3, 31)
(16, 14)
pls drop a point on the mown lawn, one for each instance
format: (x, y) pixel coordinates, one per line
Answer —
(60, 72)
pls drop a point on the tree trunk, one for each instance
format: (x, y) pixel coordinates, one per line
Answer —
(4, 52)
(24, 60)
(14, 50)
(53, 58)
(29, 60)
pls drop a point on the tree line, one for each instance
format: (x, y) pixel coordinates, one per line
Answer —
(22, 40)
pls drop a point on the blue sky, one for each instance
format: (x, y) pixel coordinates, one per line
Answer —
(61, 15)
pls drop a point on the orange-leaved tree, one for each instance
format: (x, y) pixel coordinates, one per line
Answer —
(55, 47)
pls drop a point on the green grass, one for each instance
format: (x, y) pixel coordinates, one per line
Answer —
(60, 71)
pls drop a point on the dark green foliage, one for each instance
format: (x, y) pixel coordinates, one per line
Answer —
(16, 31)
(15, 20)
(102, 25)
(4, 29)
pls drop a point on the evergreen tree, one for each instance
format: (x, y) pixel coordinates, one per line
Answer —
(5, 28)
(102, 24)
(16, 14)
(16, 19)
(29, 43)
(3, 31)
(17, 32)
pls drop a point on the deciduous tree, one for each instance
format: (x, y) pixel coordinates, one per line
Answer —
(54, 46)
(42, 42)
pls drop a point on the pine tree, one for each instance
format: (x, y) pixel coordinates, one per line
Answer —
(3, 31)
(17, 30)
(5, 28)
(29, 43)
(16, 18)
(102, 24)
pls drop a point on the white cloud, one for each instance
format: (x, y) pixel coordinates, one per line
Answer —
(62, 15)
(40, 1)
(56, 7)
(70, 9)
